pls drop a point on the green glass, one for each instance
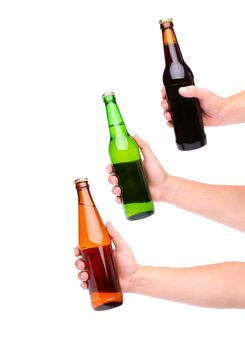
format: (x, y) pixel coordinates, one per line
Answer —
(125, 157)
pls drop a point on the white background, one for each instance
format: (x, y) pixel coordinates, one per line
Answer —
(57, 58)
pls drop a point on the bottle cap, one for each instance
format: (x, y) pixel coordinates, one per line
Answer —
(107, 94)
(82, 179)
(165, 20)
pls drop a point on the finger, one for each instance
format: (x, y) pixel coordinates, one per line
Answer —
(116, 190)
(113, 179)
(163, 92)
(115, 236)
(118, 200)
(164, 105)
(145, 148)
(167, 116)
(80, 265)
(84, 285)
(83, 276)
(109, 168)
(170, 124)
(194, 91)
(77, 252)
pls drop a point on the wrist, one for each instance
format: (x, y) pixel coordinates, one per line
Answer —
(233, 109)
(135, 280)
(145, 280)
(225, 109)
(167, 188)
(158, 189)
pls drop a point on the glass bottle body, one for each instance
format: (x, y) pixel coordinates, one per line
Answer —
(125, 157)
(95, 247)
(185, 112)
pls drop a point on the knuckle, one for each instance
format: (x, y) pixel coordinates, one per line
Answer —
(192, 89)
(116, 190)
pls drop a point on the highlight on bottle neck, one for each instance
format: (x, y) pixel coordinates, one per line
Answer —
(81, 182)
(168, 34)
(113, 113)
(83, 192)
(166, 23)
(109, 97)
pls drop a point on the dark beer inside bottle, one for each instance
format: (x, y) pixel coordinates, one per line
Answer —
(185, 112)
(132, 182)
(186, 117)
(103, 283)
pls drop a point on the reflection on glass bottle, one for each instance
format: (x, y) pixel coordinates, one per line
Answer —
(96, 251)
(125, 157)
(186, 112)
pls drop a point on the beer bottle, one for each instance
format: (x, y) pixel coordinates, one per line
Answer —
(96, 250)
(185, 112)
(125, 157)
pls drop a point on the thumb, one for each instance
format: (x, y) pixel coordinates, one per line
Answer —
(115, 236)
(194, 91)
(145, 148)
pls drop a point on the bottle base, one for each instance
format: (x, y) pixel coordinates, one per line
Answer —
(191, 146)
(106, 300)
(140, 215)
(108, 306)
(137, 211)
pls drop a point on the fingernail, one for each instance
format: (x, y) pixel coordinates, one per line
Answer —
(114, 180)
(80, 266)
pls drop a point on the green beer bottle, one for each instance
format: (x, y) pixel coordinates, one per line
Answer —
(125, 157)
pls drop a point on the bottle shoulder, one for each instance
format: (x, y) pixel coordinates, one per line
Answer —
(123, 148)
(177, 72)
(92, 231)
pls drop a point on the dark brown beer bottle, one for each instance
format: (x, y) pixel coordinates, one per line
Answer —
(95, 247)
(185, 112)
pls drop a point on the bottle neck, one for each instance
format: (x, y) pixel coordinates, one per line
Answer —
(172, 50)
(92, 232)
(115, 120)
(84, 195)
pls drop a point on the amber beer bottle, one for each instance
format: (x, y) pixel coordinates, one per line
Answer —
(185, 112)
(96, 250)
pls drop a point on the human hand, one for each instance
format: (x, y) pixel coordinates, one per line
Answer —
(212, 105)
(155, 173)
(125, 262)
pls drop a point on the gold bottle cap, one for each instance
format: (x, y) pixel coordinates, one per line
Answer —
(108, 94)
(165, 20)
(81, 179)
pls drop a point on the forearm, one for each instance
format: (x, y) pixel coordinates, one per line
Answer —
(234, 109)
(218, 286)
(224, 204)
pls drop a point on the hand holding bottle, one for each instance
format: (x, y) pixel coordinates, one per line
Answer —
(211, 104)
(186, 113)
(216, 110)
(96, 250)
(217, 285)
(155, 173)
(215, 202)
(126, 264)
(125, 157)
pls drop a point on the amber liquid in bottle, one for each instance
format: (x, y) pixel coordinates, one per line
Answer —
(95, 247)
